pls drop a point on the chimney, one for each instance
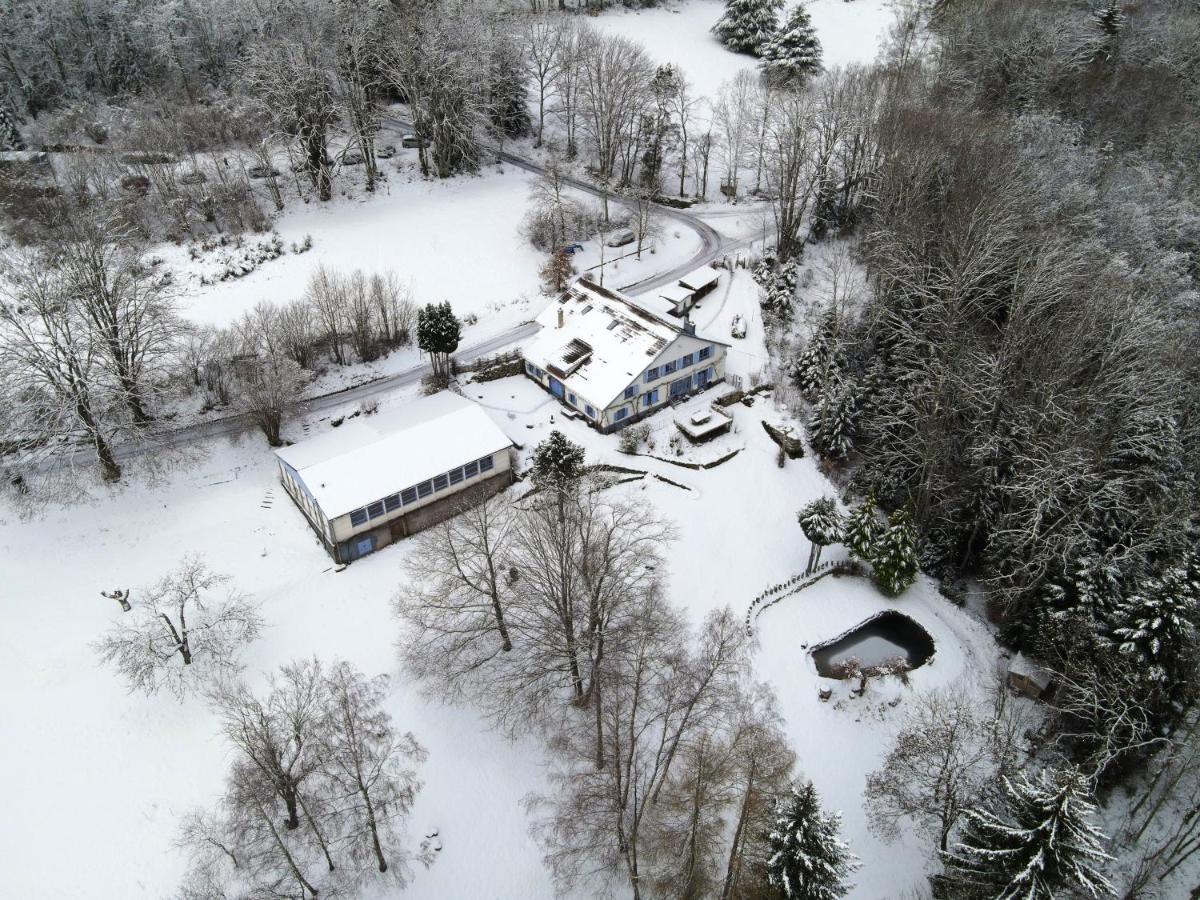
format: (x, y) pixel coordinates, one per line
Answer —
(688, 327)
(560, 317)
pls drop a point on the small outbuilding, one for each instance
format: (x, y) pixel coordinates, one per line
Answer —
(1027, 677)
(377, 479)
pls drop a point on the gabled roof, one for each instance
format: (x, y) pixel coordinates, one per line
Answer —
(605, 342)
(370, 457)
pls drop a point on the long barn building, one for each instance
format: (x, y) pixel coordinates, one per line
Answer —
(378, 479)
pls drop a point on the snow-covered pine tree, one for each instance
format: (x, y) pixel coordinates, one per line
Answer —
(10, 135)
(778, 287)
(822, 524)
(808, 860)
(438, 333)
(863, 529)
(1156, 623)
(833, 421)
(1044, 843)
(558, 465)
(793, 54)
(895, 560)
(747, 25)
(819, 359)
(1109, 17)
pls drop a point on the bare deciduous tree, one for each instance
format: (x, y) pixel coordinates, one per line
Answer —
(454, 614)
(177, 624)
(369, 767)
(941, 763)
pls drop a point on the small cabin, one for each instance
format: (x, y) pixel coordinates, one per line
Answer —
(1028, 678)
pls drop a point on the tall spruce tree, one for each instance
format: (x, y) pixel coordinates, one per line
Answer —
(793, 54)
(747, 25)
(558, 464)
(1109, 17)
(863, 529)
(808, 860)
(1157, 623)
(833, 421)
(820, 360)
(895, 560)
(1043, 846)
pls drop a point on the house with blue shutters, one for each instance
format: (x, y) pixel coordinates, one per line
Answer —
(377, 479)
(614, 361)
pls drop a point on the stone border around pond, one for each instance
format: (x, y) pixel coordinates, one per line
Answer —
(865, 622)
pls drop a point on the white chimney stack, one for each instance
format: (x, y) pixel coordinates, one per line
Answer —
(560, 317)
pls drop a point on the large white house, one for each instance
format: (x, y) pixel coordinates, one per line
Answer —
(377, 479)
(614, 360)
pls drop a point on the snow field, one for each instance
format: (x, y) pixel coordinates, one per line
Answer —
(679, 33)
(149, 759)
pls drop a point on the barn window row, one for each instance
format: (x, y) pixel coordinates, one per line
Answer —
(421, 491)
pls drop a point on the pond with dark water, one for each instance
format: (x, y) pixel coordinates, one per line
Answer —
(882, 639)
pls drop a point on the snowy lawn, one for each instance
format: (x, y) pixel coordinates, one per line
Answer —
(679, 33)
(458, 240)
(146, 760)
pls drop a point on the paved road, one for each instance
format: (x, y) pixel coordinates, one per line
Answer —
(713, 245)
(229, 425)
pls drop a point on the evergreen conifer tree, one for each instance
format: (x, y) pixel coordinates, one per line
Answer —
(1045, 845)
(895, 560)
(558, 464)
(1109, 17)
(438, 334)
(10, 135)
(863, 529)
(833, 421)
(1157, 622)
(822, 525)
(747, 25)
(808, 860)
(819, 361)
(793, 54)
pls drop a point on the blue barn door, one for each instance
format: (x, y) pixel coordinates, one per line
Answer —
(556, 387)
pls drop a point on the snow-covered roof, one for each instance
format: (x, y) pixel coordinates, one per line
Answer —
(1023, 666)
(370, 457)
(675, 294)
(698, 278)
(605, 341)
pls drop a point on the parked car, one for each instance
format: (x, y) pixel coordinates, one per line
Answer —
(621, 238)
(737, 327)
(571, 249)
(412, 141)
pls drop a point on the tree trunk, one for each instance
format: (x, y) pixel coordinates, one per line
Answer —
(312, 823)
(734, 870)
(295, 869)
(505, 642)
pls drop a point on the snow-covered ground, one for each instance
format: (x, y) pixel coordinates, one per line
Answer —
(98, 778)
(679, 33)
(458, 240)
(145, 760)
